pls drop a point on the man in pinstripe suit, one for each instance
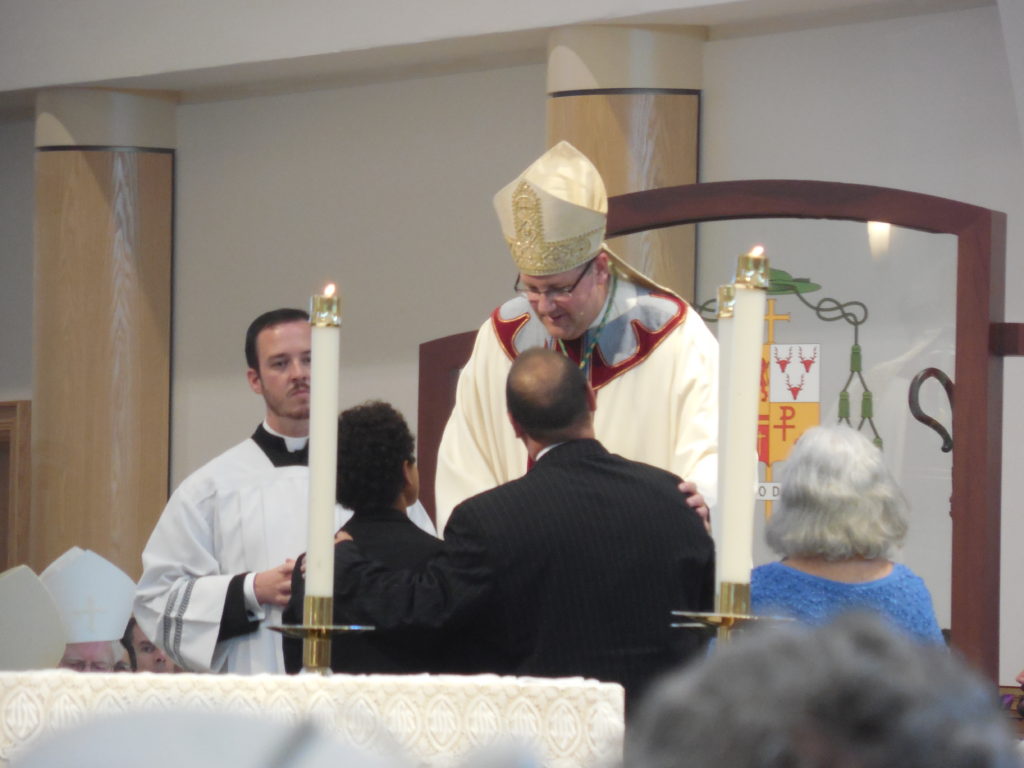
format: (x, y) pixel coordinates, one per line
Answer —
(572, 569)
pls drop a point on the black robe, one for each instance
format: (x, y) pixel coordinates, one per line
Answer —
(389, 536)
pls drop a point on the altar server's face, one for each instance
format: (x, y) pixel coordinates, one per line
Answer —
(148, 657)
(283, 377)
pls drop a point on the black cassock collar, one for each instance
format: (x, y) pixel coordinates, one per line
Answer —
(277, 451)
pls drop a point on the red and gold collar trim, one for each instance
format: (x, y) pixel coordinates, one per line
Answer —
(627, 340)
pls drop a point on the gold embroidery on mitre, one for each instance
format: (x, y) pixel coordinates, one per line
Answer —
(531, 252)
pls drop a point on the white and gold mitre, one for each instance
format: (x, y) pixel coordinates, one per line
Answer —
(553, 215)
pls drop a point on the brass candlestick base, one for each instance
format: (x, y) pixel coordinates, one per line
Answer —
(316, 633)
(733, 612)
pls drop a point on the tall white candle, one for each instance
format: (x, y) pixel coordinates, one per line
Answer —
(740, 341)
(325, 319)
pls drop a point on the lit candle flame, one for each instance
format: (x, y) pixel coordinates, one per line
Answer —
(757, 250)
(329, 290)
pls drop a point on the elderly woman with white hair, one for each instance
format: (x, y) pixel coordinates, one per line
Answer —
(840, 517)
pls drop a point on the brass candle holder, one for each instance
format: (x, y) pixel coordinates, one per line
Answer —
(752, 269)
(726, 301)
(316, 631)
(325, 309)
(733, 612)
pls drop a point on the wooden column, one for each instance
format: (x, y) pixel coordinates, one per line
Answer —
(102, 322)
(629, 99)
(15, 481)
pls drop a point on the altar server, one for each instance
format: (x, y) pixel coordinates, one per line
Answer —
(217, 568)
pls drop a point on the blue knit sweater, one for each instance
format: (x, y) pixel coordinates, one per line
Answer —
(901, 597)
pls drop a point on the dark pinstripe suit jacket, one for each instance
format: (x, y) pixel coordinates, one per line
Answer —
(572, 569)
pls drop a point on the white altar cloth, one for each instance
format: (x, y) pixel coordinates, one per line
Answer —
(434, 720)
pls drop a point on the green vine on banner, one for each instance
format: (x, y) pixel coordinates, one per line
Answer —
(854, 313)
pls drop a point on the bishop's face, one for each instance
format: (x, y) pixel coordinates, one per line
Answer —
(89, 657)
(568, 302)
(283, 352)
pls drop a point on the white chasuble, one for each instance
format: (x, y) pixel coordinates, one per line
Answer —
(654, 369)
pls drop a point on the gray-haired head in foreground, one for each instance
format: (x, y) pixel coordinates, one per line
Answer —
(838, 500)
(852, 694)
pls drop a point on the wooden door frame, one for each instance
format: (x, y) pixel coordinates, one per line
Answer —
(16, 437)
(441, 360)
(983, 338)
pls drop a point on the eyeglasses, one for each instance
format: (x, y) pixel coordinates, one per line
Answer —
(552, 294)
(80, 665)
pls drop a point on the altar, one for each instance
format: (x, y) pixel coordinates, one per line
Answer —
(432, 720)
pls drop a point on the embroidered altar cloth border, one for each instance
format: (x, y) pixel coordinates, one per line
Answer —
(434, 720)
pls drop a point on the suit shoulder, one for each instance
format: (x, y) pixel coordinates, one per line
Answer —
(484, 505)
(655, 474)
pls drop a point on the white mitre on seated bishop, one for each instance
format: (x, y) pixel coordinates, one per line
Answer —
(30, 624)
(94, 596)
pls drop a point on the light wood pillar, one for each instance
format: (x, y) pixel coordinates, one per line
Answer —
(102, 322)
(629, 99)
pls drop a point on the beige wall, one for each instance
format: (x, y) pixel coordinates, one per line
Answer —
(385, 189)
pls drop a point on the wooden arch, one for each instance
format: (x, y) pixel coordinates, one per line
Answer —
(982, 339)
